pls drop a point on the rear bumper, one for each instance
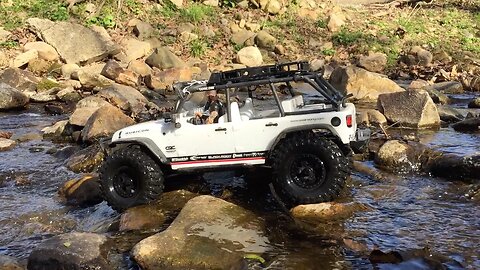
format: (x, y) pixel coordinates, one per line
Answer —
(362, 138)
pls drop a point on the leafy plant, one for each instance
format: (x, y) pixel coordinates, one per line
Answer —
(9, 44)
(50, 9)
(229, 3)
(328, 52)
(197, 48)
(134, 6)
(346, 37)
(107, 21)
(196, 12)
(168, 9)
(321, 23)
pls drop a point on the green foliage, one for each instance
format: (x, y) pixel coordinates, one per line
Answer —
(412, 26)
(168, 9)
(9, 44)
(328, 52)
(51, 9)
(197, 48)
(195, 12)
(346, 37)
(106, 20)
(229, 3)
(321, 23)
(237, 47)
(134, 6)
(254, 257)
(471, 44)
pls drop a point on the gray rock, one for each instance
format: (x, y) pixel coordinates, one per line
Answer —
(400, 157)
(75, 43)
(84, 191)
(468, 125)
(44, 96)
(69, 69)
(90, 77)
(153, 215)
(336, 20)
(55, 131)
(11, 98)
(10, 263)
(364, 85)
(112, 70)
(69, 94)
(124, 97)
(241, 37)
(140, 67)
(20, 79)
(372, 117)
(375, 62)
(22, 59)
(104, 122)
(264, 40)
(4, 35)
(328, 211)
(209, 233)
(39, 66)
(456, 167)
(133, 49)
(250, 56)
(86, 160)
(418, 56)
(449, 114)
(413, 109)
(437, 96)
(163, 58)
(474, 103)
(143, 30)
(449, 87)
(70, 251)
(7, 144)
(85, 108)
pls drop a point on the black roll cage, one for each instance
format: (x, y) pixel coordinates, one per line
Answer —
(264, 75)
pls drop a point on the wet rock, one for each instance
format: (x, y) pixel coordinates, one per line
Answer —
(475, 103)
(163, 58)
(124, 97)
(413, 259)
(85, 160)
(69, 69)
(400, 156)
(413, 109)
(104, 122)
(449, 114)
(418, 56)
(70, 251)
(114, 71)
(456, 167)
(209, 233)
(264, 40)
(10, 263)
(45, 51)
(55, 131)
(20, 79)
(449, 87)
(69, 94)
(84, 191)
(249, 56)
(468, 125)
(6, 144)
(6, 134)
(74, 43)
(375, 62)
(11, 98)
(154, 215)
(32, 136)
(140, 68)
(143, 30)
(133, 49)
(364, 85)
(22, 59)
(328, 211)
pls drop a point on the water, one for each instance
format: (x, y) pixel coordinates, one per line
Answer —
(407, 212)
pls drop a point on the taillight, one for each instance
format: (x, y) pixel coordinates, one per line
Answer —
(349, 120)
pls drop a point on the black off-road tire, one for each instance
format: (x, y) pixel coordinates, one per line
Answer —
(308, 169)
(130, 177)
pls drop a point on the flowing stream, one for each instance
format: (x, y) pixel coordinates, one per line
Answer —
(407, 212)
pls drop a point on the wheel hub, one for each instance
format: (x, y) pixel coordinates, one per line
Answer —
(307, 171)
(124, 184)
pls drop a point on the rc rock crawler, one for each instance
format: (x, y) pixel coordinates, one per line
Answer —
(290, 120)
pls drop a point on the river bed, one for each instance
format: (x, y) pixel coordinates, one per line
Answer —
(407, 212)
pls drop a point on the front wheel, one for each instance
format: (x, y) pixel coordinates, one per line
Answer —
(130, 177)
(308, 169)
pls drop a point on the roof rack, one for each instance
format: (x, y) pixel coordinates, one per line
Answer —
(258, 73)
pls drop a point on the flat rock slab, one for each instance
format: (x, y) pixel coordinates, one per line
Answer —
(75, 43)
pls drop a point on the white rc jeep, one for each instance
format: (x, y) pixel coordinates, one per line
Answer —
(304, 137)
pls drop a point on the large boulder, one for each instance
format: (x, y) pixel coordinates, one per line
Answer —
(413, 109)
(85, 160)
(22, 59)
(83, 191)
(85, 108)
(11, 98)
(249, 56)
(402, 157)
(449, 114)
(456, 167)
(209, 233)
(375, 62)
(468, 125)
(74, 42)
(163, 58)
(264, 40)
(361, 83)
(114, 71)
(6, 144)
(56, 131)
(104, 122)
(153, 215)
(91, 77)
(124, 97)
(10, 263)
(45, 51)
(20, 79)
(71, 251)
(165, 79)
(133, 49)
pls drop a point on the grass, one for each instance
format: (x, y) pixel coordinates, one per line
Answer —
(196, 13)
(198, 48)
(10, 44)
(346, 37)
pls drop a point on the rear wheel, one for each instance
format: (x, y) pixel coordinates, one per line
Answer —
(130, 177)
(308, 169)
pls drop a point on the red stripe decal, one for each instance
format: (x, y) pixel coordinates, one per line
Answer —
(216, 160)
